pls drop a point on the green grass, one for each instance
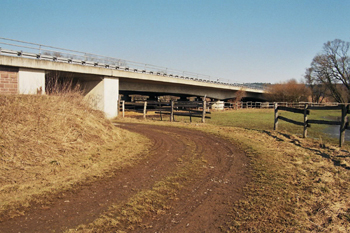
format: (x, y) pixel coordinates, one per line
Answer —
(262, 119)
(244, 118)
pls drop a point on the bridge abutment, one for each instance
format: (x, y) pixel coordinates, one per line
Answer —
(15, 80)
(31, 81)
(103, 95)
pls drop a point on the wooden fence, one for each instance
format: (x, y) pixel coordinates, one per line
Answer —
(139, 106)
(307, 122)
(172, 108)
(251, 104)
(248, 104)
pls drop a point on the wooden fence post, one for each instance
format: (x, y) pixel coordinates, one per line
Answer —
(144, 110)
(123, 108)
(118, 106)
(305, 121)
(275, 127)
(344, 112)
(172, 110)
(204, 109)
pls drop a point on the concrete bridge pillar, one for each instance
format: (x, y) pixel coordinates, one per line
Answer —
(31, 81)
(103, 95)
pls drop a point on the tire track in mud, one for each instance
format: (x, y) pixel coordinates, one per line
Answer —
(203, 207)
(200, 208)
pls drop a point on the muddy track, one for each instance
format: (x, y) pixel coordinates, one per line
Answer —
(202, 207)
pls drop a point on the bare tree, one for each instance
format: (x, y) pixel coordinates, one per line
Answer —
(318, 91)
(239, 95)
(332, 69)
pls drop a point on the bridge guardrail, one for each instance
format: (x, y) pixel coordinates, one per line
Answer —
(44, 52)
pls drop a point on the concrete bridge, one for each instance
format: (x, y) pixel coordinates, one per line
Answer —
(24, 73)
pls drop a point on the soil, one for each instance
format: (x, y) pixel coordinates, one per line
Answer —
(202, 207)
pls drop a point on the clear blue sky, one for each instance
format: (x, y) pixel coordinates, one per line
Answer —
(240, 40)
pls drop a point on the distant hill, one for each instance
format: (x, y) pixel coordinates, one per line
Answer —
(257, 85)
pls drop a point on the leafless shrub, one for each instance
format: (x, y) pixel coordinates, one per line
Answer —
(290, 91)
(59, 83)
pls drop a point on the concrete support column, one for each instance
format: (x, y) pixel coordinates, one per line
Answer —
(31, 81)
(103, 95)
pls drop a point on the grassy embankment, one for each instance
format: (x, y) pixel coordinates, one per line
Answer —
(49, 144)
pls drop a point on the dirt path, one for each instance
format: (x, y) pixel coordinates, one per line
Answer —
(200, 208)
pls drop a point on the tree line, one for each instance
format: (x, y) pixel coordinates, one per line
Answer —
(327, 78)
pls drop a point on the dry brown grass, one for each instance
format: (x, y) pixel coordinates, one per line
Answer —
(52, 143)
(299, 185)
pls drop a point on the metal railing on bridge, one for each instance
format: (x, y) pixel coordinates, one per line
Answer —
(13, 47)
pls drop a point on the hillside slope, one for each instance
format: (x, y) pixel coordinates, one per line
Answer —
(52, 143)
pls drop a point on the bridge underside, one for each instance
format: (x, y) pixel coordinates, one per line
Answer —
(154, 89)
(137, 87)
(126, 95)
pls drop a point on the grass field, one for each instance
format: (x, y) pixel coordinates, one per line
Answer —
(263, 119)
(52, 143)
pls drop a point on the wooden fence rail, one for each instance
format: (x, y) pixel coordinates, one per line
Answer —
(307, 122)
(226, 105)
(172, 108)
(185, 108)
(250, 104)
